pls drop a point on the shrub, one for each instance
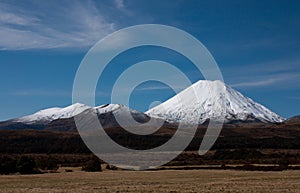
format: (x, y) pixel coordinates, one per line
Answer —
(93, 165)
(237, 154)
(47, 163)
(284, 163)
(7, 165)
(25, 165)
(111, 167)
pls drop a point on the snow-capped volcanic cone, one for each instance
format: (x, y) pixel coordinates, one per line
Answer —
(207, 103)
(47, 115)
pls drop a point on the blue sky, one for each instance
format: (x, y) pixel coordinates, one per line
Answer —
(255, 43)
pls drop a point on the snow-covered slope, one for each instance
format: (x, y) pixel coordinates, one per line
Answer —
(124, 114)
(106, 108)
(47, 115)
(186, 107)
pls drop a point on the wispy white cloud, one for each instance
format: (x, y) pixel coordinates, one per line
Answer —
(40, 92)
(51, 93)
(283, 72)
(294, 97)
(71, 25)
(12, 18)
(257, 83)
(245, 69)
(120, 4)
(268, 80)
(150, 88)
(153, 88)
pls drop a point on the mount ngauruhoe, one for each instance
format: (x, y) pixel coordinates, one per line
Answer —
(202, 101)
(206, 100)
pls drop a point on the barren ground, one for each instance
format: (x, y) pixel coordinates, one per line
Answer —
(154, 181)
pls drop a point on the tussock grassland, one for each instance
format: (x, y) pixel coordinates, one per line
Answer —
(154, 181)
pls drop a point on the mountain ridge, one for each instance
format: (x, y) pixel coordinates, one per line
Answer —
(239, 109)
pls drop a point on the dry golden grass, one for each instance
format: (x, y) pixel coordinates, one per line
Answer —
(154, 181)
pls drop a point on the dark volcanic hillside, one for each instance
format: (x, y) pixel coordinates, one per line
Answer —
(295, 119)
(237, 143)
(107, 121)
(9, 125)
(255, 135)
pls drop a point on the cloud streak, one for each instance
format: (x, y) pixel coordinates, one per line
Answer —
(39, 92)
(261, 81)
(120, 4)
(257, 83)
(151, 88)
(72, 24)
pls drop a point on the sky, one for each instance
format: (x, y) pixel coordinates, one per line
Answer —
(42, 43)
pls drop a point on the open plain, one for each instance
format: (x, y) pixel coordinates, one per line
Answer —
(154, 181)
